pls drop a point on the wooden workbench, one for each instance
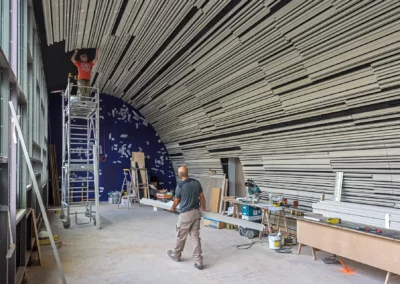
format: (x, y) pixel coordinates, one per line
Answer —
(378, 250)
(266, 210)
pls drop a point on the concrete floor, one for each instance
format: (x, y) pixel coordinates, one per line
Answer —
(131, 248)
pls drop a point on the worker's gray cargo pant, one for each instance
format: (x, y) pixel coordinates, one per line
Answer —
(189, 223)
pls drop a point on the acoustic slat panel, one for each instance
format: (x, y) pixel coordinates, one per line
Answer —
(298, 90)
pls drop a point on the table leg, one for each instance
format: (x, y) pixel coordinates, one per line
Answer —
(236, 207)
(285, 221)
(237, 211)
(387, 277)
(268, 224)
(262, 222)
(278, 224)
(299, 249)
(313, 253)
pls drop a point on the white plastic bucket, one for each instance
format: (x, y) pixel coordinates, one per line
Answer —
(124, 201)
(274, 242)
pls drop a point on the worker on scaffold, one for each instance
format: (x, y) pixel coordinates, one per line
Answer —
(84, 72)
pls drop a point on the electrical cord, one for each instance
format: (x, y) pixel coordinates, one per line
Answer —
(247, 246)
(284, 249)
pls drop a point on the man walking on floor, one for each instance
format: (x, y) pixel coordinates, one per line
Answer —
(84, 72)
(188, 194)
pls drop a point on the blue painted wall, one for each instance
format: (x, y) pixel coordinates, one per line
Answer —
(122, 130)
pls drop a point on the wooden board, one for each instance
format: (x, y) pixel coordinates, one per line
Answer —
(35, 228)
(372, 250)
(138, 161)
(208, 215)
(215, 200)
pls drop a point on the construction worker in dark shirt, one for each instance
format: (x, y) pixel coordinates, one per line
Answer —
(189, 195)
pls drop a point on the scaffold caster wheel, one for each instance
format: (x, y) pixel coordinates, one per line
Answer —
(67, 224)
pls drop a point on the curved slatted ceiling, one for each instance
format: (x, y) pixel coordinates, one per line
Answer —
(297, 89)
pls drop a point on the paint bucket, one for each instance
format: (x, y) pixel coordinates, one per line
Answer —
(274, 241)
(115, 197)
(124, 201)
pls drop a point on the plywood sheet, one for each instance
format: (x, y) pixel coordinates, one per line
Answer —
(138, 161)
(215, 200)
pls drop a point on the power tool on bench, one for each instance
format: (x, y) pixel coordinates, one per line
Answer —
(253, 192)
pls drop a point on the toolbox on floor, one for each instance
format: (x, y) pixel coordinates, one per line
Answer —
(250, 213)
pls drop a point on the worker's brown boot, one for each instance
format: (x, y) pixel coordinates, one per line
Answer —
(173, 256)
(198, 266)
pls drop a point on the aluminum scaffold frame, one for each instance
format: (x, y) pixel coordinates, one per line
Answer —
(80, 156)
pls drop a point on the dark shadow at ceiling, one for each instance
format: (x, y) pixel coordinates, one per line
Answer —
(56, 62)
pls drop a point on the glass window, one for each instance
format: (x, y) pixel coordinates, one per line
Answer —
(1, 21)
(21, 43)
(4, 27)
(21, 187)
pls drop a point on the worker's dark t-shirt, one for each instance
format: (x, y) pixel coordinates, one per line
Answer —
(189, 192)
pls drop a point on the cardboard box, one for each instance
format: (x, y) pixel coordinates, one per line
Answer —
(214, 224)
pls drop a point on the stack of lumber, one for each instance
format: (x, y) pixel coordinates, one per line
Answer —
(298, 90)
(365, 214)
(215, 188)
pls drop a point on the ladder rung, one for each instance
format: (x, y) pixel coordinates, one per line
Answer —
(76, 187)
(83, 104)
(81, 191)
(82, 117)
(81, 180)
(78, 143)
(76, 127)
(80, 202)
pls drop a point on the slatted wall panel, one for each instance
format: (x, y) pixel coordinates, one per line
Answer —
(297, 89)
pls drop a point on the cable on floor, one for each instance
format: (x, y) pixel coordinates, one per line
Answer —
(247, 246)
(284, 249)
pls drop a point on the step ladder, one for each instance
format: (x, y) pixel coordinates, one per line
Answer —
(132, 194)
(141, 183)
(80, 156)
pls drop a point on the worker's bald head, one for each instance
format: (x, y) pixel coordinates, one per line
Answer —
(183, 172)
